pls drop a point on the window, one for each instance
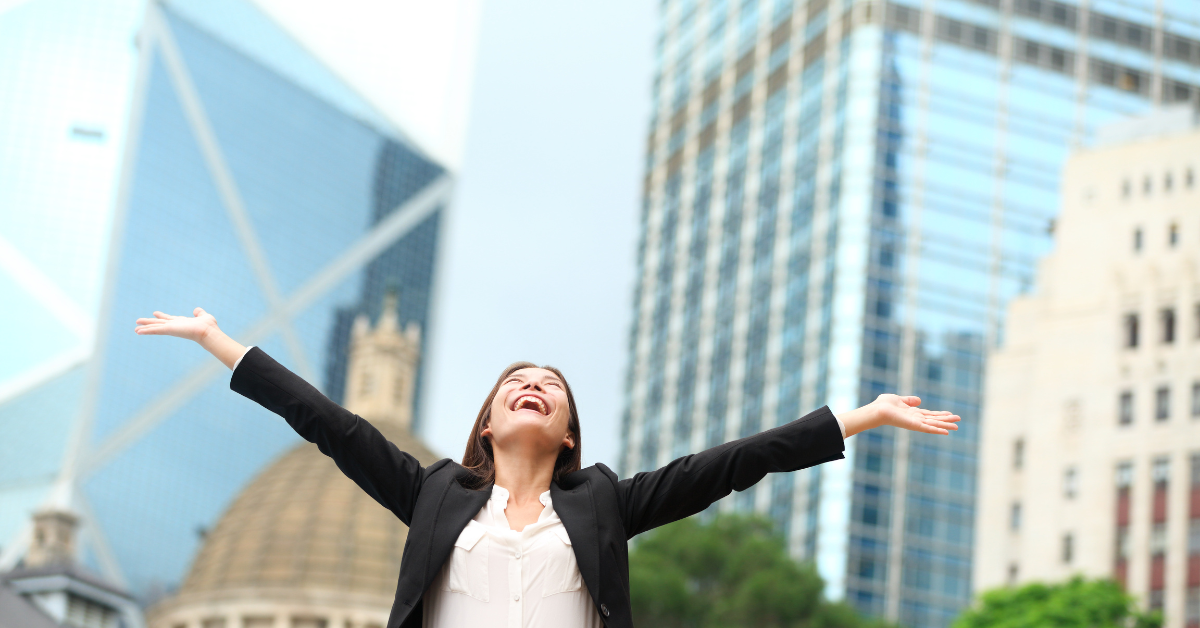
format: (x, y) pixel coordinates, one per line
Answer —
(1014, 519)
(1162, 403)
(1157, 601)
(1019, 453)
(1147, 185)
(1124, 474)
(1012, 573)
(1194, 536)
(1126, 188)
(1131, 330)
(1166, 318)
(1137, 240)
(1071, 483)
(1191, 610)
(1167, 182)
(1173, 235)
(1122, 542)
(1125, 408)
(1161, 470)
(1189, 178)
(1068, 548)
(1196, 400)
(1158, 539)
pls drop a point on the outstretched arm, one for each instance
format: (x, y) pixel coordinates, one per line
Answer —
(390, 476)
(689, 484)
(200, 327)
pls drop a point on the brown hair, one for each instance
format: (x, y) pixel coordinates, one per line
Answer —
(479, 459)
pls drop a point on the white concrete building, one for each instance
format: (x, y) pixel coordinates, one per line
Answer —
(1090, 450)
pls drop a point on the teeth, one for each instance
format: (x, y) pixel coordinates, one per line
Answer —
(521, 400)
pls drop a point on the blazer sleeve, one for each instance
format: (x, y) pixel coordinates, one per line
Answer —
(689, 484)
(390, 476)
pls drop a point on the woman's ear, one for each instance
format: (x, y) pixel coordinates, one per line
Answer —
(568, 442)
(486, 431)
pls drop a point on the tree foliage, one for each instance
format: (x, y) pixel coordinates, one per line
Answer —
(1077, 603)
(733, 571)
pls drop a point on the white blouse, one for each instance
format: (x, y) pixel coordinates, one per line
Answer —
(497, 576)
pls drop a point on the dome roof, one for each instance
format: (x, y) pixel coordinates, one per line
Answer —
(303, 525)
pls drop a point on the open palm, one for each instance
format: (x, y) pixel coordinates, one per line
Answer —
(194, 327)
(905, 412)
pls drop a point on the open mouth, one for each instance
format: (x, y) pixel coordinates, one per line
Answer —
(530, 402)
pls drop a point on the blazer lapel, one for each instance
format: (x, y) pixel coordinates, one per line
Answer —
(575, 508)
(459, 506)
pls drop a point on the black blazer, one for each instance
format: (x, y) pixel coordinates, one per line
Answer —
(599, 512)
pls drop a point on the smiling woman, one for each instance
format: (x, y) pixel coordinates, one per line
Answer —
(518, 534)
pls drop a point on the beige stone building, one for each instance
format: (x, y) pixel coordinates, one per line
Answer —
(302, 546)
(1090, 445)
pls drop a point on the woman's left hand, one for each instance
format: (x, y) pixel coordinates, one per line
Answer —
(898, 411)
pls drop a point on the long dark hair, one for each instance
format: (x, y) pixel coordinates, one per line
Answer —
(479, 459)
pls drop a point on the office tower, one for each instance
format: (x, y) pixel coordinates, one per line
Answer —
(840, 197)
(1090, 456)
(67, 69)
(255, 184)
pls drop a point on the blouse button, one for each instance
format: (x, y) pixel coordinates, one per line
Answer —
(604, 609)
(516, 598)
(518, 555)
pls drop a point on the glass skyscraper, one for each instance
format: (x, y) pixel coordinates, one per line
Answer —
(840, 198)
(67, 68)
(256, 184)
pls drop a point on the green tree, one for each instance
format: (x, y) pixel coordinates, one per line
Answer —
(1077, 603)
(733, 571)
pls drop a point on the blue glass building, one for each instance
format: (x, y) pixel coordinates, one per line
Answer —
(840, 198)
(255, 184)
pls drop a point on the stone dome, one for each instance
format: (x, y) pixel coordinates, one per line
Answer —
(302, 524)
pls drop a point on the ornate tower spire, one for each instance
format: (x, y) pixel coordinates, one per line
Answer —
(382, 366)
(53, 539)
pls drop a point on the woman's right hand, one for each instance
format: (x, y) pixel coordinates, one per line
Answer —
(196, 327)
(200, 327)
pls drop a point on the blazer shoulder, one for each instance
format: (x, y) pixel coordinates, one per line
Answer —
(597, 472)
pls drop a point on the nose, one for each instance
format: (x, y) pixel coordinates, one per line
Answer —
(532, 386)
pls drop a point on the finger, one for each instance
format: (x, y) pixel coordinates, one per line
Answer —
(148, 330)
(942, 424)
(933, 429)
(150, 321)
(935, 412)
(198, 311)
(942, 415)
(912, 400)
(164, 316)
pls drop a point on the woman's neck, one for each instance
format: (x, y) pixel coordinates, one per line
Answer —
(524, 477)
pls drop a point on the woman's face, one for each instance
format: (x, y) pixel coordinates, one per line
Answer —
(530, 410)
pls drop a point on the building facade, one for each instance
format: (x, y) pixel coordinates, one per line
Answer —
(257, 184)
(840, 197)
(1091, 454)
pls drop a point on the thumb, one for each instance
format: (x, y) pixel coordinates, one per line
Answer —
(198, 311)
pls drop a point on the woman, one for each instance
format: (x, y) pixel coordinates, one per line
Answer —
(518, 534)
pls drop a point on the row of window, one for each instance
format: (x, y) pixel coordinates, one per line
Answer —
(1162, 404)
(1168, 183)
(1172, 237)
(1168, 328)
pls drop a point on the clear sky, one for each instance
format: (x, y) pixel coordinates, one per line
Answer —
(540, 257)
(550, 101)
